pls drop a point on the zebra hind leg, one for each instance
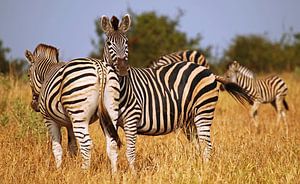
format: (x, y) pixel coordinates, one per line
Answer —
(54, 130)
(281, 112)
(203, 120)
(84, 140)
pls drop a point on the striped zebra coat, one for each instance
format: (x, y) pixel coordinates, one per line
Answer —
(187, 56)
(73, 95)
(157, 101)
(271, 89)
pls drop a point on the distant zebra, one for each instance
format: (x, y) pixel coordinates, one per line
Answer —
(271, 89)
(161, 100)
(187, 56)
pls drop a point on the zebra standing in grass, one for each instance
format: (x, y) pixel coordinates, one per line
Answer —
(75, 94)
(161, 100)
(187, 55)
(271, 89)
(71, 95)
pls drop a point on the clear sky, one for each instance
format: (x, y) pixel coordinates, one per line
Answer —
(69, 25)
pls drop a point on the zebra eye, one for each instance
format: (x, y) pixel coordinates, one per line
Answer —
(126, 42)
(108, 43)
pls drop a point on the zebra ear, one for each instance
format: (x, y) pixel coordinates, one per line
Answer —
(105, 24)
(125, 24)
(29, 56)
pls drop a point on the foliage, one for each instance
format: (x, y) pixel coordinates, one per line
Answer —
(4, 63)
(151, 36)
(262, 55)
(13, 67)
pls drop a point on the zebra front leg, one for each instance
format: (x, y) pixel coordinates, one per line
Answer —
(72, 145)
(55, 133)
(253, 113)
(131, 134)
(81, 132)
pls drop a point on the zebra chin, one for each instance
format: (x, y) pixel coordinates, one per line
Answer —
(35, 106)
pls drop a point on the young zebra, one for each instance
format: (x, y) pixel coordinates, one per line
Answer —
(161, 100)
(271, 89)
(187, 55)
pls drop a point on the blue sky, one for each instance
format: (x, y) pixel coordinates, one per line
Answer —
(69, 25)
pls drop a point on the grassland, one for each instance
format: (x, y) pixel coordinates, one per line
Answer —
(240, 155)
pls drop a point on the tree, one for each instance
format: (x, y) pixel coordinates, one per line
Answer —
(151, 36)
(4, 63)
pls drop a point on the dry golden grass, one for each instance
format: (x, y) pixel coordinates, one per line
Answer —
(240, 154)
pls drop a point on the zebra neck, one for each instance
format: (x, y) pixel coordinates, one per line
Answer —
(247, 83)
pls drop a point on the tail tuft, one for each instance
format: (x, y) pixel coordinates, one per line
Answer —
(285, 104)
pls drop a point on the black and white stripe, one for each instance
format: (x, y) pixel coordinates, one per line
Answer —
(187, 56)
(74, 94)
(271, 89)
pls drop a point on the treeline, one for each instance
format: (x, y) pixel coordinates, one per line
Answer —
(153, 35)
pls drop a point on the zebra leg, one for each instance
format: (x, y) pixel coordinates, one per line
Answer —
(130, 130)
(111, 103)
(253, 113)
(280, 112)
(81, 132)
(72, 145)
(55, 133)
(203, 120)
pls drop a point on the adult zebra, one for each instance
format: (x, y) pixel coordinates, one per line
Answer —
(158, 101)
(75, 94)
(271, 89)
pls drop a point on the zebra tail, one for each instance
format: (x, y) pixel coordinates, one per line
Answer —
(235, 91)
(106, 124)
(285, 104)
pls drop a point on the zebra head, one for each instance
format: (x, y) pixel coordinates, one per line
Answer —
(40, 62)
(116, 44)
(232, 71)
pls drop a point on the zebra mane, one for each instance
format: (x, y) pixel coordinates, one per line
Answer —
(115, 23)
(241, 69)
(245, 71)
(47, 52)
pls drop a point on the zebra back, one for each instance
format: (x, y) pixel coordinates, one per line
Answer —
(186, 56)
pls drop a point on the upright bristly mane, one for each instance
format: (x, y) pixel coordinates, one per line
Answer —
(46, 51)
(246, 72)
(115, 23)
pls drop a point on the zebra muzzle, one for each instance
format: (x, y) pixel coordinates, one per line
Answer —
(122, 66)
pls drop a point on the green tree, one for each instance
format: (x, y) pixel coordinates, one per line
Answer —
(151, 36)
(4, 63)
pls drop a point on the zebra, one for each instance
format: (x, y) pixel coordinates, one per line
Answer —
(186, 55)
(271, 89)
(74, 94)
(157, 101)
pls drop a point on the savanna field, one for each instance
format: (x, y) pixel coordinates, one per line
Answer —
(241, 154)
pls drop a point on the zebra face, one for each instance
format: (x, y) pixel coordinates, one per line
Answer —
(232, 71)
(116, 44)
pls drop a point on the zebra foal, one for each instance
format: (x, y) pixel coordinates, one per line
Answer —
(271, 89)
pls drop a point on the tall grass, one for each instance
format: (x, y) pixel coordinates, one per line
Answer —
(240, 154)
